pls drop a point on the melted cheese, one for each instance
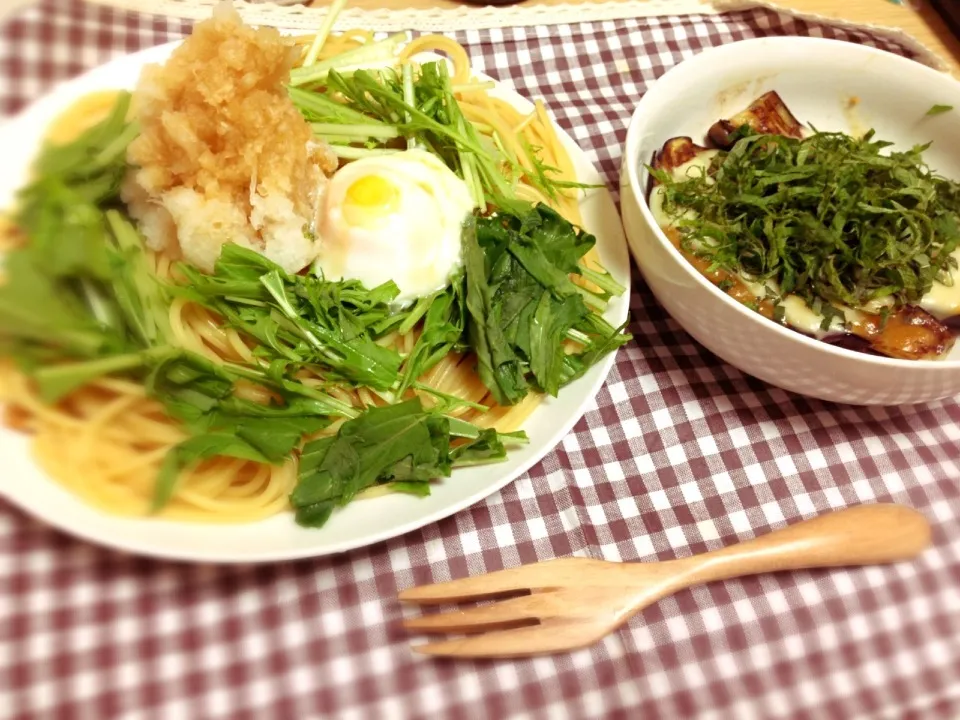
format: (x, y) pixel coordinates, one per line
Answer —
(943, 301)
(692, 168)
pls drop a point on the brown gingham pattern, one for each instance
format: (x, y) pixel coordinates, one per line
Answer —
(678, 454)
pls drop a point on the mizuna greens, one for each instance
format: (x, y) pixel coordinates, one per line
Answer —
(523, 306)
(372, 108)
(401, 444)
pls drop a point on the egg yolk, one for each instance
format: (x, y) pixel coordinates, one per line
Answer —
(369, 200)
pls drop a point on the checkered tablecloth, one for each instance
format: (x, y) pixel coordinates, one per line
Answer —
(680, 453)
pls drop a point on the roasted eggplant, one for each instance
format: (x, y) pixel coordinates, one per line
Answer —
(676, 152)
(909, 332)
(767, 115)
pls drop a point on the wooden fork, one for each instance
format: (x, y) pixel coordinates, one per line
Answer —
(573, 602)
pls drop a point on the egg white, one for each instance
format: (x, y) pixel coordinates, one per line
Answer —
(394, 217)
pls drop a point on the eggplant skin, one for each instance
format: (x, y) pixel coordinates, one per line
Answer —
(848, 341)
(768, 115)
(675, 152)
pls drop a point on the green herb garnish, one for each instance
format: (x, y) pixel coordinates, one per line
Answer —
(377, 106)
(403, 445)
(300, 319)
(830, 217)
(939, 109)
(522, 304)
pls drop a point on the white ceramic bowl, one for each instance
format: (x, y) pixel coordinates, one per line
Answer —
(817, 79)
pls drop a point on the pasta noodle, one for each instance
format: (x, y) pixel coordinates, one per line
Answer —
(106, 441)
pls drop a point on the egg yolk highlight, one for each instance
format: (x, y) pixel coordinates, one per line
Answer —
(370, 199)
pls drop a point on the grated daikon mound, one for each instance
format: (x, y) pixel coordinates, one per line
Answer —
(223, 154)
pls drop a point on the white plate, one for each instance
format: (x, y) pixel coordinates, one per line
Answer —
(279, 538)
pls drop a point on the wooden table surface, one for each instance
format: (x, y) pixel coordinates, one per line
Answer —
(922, 23)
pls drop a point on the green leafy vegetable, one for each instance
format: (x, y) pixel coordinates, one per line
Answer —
(372, 107)
(499, 367)
(517, 263)
(831, 218)
(939, 109)
(38, 313)
(382, 51)
(202, 395)
(69, 295)
(522, 305)
(301, 318)
(403, 445)
(441, 333)
(486, 447)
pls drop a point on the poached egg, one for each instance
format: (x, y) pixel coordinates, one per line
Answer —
(394, 217)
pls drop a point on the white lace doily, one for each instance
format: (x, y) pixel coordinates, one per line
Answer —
(283, 14)
(296, 16)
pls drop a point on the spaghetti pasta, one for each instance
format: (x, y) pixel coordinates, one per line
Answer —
(107, 440)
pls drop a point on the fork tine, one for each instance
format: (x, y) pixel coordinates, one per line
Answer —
(549, 637)
(468, 588)
(539, 576)
(503, 614)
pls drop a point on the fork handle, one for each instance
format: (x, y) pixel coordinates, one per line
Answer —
(862, 535)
